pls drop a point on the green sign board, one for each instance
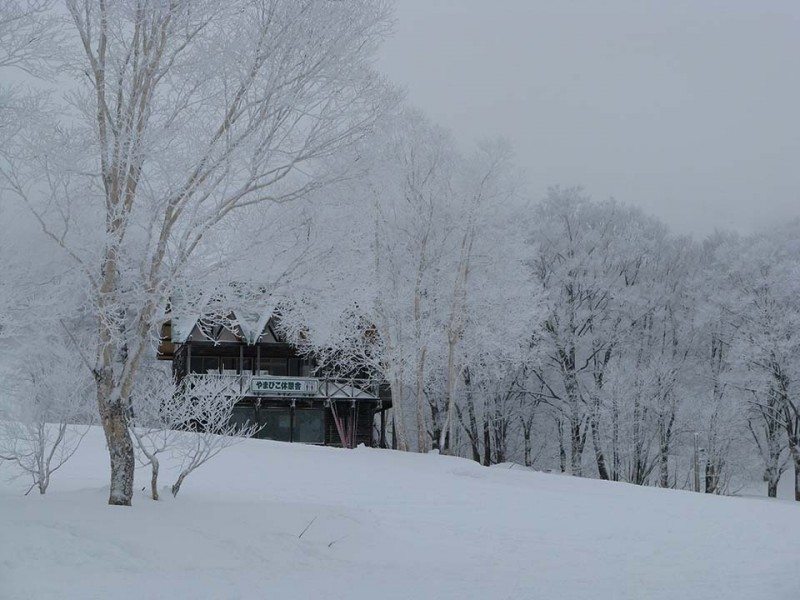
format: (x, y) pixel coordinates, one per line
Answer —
(284, 386)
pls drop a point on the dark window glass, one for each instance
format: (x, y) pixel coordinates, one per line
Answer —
(210, 364)
(243, 416)
(204, 364)
(276, 424)
(230, 363)
(299, 367)
(273, 366)
(247, 365)
(309, 426)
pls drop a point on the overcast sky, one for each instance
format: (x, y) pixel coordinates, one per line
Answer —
(688, 109)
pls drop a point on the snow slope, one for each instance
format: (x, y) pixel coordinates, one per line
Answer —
(387, 525)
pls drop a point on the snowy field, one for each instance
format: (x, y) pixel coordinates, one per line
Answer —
(387, 525)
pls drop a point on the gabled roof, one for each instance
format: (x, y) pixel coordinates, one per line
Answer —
(233, 328)
(192, 314)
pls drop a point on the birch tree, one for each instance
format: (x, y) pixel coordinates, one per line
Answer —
(190, 111)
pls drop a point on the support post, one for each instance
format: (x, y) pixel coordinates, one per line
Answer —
(291, 422)
(241, 368)
(353, 424)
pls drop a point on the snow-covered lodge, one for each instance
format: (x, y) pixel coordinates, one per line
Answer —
(279, 392)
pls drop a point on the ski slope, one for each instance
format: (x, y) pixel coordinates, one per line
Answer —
(386, 525)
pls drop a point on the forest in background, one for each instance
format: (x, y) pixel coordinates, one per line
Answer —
(153, 150)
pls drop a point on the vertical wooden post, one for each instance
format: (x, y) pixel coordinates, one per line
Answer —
(291, 422)
(382, 443)
(353, 424)
(241, 368)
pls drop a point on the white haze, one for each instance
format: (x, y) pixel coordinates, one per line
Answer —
(687, 109)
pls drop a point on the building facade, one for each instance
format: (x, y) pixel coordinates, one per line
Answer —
(280, 391)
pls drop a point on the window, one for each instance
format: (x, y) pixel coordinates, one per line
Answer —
(204, 364)
(274, 366)
(243, 416)
(230, 363)
(298, 367)
(276, 424)
(309, 426)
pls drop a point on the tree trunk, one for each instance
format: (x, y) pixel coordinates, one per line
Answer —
(487, 441)
(638, 458)
(526, 437)
(615, 458)
(176, 487)
(154, 477)
(712, 476)
(598, 450)
(576, 447)
(422, 428)
(795, 450)
(500, 429)
(448, 428)
(472, 433)
(436, 427)
(772, 486)
(399, 422)
(575, 416)
(562, 451)
(663, 458)
(120, 448)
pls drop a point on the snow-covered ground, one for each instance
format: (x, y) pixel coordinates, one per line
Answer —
(387, 525)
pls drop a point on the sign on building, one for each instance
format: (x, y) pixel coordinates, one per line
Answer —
(284, 386)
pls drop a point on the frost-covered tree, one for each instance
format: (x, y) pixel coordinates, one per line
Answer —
(590, 259)
(28, 29)
(204, 405)
(763, 305)
(190, 419)
(45, 415)
(425, 283)
(180, 114)
(152, 426)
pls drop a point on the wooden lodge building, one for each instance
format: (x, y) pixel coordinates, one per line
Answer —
(279, 392)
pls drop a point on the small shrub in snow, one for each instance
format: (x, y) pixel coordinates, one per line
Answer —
(151, 427)
(46, 418)
(164, 412)
(205, 404)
